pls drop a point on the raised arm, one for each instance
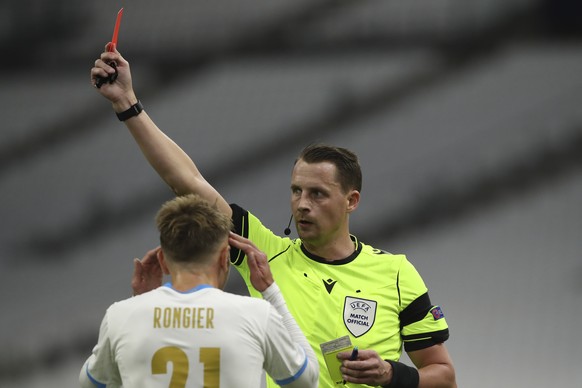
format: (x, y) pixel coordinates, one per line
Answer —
(173, 165)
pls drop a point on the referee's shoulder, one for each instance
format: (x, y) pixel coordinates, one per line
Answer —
(371, 250)
(383, 255)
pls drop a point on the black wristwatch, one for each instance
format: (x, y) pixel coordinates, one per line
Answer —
(133, 110)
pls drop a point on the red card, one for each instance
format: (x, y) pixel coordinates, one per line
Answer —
(113, 44)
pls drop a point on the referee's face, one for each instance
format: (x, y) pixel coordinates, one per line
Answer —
(319, 205)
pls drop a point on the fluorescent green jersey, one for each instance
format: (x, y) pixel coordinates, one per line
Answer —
(376, 298)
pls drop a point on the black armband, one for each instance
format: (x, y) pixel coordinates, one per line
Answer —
(403, 376)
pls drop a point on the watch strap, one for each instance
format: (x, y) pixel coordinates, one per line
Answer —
(133, 110)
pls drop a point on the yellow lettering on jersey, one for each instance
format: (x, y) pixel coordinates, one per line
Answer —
(200, 318)
(210, 318)
(183, 318)
(167, 317)
(187, 317)
(177, 318)
(157, 315)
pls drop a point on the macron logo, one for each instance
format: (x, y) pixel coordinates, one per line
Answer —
(329, 283)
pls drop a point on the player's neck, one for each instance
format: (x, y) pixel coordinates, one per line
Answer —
(184, 281)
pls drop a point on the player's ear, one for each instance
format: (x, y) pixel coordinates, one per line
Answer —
(225, 257)
(162, 261)
(353, 200)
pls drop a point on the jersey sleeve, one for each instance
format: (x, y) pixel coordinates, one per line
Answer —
(422, 324)
(100, 369)
(289, 360)
(249, 226)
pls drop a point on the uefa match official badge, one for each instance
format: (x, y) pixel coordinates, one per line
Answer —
(359, 315)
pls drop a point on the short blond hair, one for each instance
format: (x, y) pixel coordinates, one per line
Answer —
(191, 228)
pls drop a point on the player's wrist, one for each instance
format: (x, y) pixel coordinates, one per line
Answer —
(273, 295)
(270, 291)
(403, 376)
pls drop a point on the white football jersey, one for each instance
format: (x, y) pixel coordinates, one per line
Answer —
(202, 338)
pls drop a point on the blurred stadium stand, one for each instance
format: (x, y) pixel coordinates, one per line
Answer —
(466, 116)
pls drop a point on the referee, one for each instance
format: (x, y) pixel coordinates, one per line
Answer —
(334, 284)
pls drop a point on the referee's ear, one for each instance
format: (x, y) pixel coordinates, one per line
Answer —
(353, 200)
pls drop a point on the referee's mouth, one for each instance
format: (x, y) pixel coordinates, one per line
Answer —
(304, 223)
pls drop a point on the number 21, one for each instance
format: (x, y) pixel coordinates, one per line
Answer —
(210, 357)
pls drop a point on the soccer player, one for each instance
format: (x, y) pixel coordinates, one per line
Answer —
(334, 284)
(190, 333)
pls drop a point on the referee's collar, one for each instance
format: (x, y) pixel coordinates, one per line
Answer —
(350, 258)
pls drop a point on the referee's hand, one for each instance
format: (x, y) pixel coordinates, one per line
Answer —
(368, 369)
(261, 276)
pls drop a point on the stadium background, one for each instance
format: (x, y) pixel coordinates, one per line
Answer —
(465, 113)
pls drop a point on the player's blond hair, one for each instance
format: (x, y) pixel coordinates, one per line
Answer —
(191, 229)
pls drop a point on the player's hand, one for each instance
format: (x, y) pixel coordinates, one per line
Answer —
(261, 276)
(369, 368)
(120, 92)
(147, 273)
